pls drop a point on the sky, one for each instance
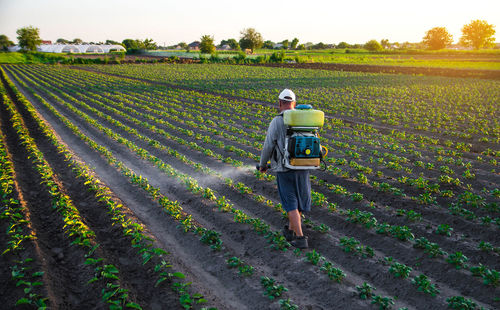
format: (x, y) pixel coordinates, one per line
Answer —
(170, 22)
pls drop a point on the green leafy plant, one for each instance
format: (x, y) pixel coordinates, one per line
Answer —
(314, 257)
(382, 302)
(273, 290)
(444, 229)
(458, 260)
(400, 270)
(461, 303)
(365, 291)
(333, 273)
(491, 277)
(424, 285)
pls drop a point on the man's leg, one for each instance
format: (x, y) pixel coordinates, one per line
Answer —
(295, 222)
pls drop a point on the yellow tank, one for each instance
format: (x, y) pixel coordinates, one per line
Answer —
(304, 116)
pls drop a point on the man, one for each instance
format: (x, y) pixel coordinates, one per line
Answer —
(294, 186)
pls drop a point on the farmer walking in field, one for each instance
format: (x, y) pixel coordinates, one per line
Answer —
(294, 186)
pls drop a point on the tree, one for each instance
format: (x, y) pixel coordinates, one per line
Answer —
(149, 44)
(183, 45)
(385, 43)
(234, 44)
(111, 42)
(343, 45)
(294, 43)
(301, 47)
(373, 46)
(29, 38)
(5, 42)
(223, 42)
(268, 44)
(207, 44)
(319, 46)
(136, 46)
(285, 43)
(437, 38)
(478, 34)
(77, 41)
(62, 41)
(251, 39)
(131, 44)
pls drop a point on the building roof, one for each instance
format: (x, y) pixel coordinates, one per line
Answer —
(80, 48)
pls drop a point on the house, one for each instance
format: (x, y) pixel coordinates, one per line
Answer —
(225, 47)
(46, 42)
(194, 45)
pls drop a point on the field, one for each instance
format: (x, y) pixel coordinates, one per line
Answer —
(475, 60)
(133, 186)
(485, 59)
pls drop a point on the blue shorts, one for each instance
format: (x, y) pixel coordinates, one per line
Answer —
(294, 188)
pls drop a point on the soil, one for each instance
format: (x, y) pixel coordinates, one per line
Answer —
(222, 287)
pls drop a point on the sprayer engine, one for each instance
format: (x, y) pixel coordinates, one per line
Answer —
(304, 145)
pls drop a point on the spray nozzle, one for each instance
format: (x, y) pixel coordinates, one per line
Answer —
(268, 166)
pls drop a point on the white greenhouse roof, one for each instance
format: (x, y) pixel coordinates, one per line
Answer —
(79, 48)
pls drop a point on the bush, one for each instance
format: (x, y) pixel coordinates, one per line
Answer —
(277, 57)
(240, 58)
(373, 46)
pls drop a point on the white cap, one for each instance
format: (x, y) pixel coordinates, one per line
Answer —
(287, 95)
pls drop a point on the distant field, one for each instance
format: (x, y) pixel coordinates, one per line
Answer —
(12, 58)
(482, 60)
(476, 60)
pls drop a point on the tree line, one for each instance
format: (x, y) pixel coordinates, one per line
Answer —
(477, 34)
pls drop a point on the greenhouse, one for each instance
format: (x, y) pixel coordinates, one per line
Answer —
(79, 48)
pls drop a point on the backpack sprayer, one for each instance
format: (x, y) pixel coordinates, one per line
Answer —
(303, 150)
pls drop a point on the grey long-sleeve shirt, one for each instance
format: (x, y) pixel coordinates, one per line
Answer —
(274, 145)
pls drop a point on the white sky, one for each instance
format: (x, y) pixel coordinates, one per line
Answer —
(170, 22)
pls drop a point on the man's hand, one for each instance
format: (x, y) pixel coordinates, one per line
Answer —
(262, 169)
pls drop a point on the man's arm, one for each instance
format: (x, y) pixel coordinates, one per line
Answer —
(269, 145)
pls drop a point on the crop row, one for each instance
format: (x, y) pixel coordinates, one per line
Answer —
(18, 232)
(393, 162)
(75, 228)
(174, 209)
(336, 188)
(113, 294)
(455, 107)
(255, 115)
(424, 198)
(191, 184)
